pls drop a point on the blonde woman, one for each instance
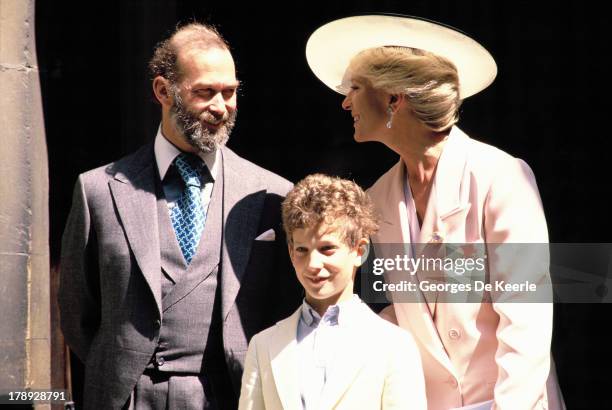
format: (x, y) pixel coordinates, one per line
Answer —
(404, 80)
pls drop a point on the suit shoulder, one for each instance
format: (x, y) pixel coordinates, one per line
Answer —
(261, 176)
(496, 166)
(96, 179)
(140, 158)
(263, 336)
(387, 333)
(392, 342)
(288, 324)
(486, 155)
(376, 190)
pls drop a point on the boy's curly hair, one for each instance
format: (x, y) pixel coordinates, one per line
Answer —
(331, 200)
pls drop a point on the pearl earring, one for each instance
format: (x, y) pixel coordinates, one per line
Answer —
(390, 112)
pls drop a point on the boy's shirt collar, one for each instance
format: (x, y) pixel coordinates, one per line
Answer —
(338, 314)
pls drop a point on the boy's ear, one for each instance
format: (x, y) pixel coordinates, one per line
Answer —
(290, 249)
(363, 247)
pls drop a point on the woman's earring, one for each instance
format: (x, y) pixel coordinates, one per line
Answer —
(390, 112)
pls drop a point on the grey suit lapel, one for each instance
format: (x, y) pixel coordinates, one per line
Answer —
(242, 206)
(172, 259)
(133, 190)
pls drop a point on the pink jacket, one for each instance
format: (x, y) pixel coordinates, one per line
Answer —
(476, 352)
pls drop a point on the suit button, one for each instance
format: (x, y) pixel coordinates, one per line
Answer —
(157, 323)
(160, 361)
(453, 382)
(454, 334)
(436, 237)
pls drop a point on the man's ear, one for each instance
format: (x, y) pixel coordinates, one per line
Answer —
(161, 90)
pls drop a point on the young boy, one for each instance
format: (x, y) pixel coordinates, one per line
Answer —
(333, 352)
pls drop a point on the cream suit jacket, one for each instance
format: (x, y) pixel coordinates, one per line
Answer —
(379, 368)
(475, 352)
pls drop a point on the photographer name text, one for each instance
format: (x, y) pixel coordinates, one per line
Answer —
(475, 286)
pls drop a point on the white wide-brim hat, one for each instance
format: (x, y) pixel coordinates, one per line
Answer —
(332, 46)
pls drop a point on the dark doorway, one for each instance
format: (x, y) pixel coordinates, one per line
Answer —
(547, 106)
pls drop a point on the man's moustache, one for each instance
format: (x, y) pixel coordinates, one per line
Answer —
(211, 119)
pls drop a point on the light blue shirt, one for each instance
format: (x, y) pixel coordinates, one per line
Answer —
(318, 340)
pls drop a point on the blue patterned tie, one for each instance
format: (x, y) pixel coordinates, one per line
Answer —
(188, 215)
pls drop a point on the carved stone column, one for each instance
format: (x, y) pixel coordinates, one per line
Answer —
(24, 251)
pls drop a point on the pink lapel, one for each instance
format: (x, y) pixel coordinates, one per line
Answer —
(444, 217)
(449, 198)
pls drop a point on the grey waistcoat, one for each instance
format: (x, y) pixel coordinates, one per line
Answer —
(188, 291)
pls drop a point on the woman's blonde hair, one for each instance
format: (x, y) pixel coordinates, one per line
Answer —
(429, 81)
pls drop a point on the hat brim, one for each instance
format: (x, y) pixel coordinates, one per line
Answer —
(331, 47)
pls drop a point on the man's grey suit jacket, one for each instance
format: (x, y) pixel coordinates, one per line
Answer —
(110, 286)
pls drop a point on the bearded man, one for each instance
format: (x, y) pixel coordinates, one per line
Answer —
(174, 257)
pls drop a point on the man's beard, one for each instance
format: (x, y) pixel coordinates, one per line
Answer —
(198, 136)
